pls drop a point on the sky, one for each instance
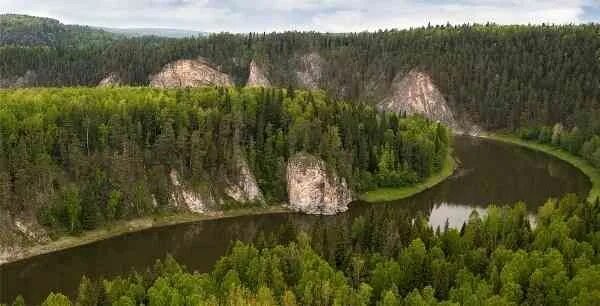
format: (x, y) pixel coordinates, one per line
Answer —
(305, 15)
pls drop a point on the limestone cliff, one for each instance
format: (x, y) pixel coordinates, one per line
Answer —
(314, 190)
(310, 71)
(257, 77)
(415, 93)
(190, 73)
(242, 187)
(112, 79)
(188, 198)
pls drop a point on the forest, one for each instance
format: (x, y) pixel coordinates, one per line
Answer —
(500, 77)
(80, 158)
(583, 141)
(387, 258)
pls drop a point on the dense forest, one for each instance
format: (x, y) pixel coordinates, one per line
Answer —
(387, 258)
(496, 76)
(82, 157)
(583, 140)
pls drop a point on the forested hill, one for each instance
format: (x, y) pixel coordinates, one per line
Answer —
(23, 30)
(495, 76)
(78, 158)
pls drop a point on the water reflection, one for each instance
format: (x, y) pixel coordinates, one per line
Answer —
(490, 172)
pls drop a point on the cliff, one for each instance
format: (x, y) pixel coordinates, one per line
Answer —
(190, 73)
(16, 233)
(416, 93)
(112, 79)
(242, 186)
(313, 189)
(310, 71)
(189, 198)
(257, 77)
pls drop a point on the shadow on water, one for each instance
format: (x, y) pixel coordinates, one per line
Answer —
(490, 172)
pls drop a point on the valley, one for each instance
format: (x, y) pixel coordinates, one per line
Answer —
(434, 165)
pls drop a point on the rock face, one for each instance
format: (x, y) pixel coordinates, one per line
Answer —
(243, 187)
(192, 200)
(257, 77)
(310, 71)
(110, 80)
(416, 93)
(16, 233)
(314, 190)
(26, 80)
(190, 73)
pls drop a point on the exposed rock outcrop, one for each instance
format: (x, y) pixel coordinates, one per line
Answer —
(416, 93)
(112, 79)
(191, 199)
(190, 73)
(17, 233)
(257, 77)
(243, 186)
(26, 80)
(313, 189)
(310, 71)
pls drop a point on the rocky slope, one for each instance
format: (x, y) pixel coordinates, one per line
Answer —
(242, 187)
(188, 198)
(257, 77)
(26, 80)
(314, 190)
(310, 71)
(190, 73)
(415, 93)
(16, 233)
(112, 79)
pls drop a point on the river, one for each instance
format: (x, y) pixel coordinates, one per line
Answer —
(490, 172)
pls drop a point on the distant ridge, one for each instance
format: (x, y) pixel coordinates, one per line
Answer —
(161, 32)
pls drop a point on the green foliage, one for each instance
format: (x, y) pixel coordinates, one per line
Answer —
(56, 299)
(88, 156)
(390, 259)
(499, 76)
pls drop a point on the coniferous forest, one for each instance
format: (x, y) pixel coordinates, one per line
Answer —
(79, 158)
(84, 157)
(387, 258)
(497, 76)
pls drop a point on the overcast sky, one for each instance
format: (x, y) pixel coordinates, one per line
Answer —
(319, 15)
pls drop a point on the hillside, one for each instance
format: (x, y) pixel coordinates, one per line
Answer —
(79, 158)
(498, 77)
(23, 30)
(161, 32)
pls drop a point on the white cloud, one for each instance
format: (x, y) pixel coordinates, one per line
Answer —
(320, 15)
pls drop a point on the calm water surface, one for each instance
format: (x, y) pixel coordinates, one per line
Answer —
(490, 172)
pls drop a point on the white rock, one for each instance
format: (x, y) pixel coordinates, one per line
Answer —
(111, 79)
(257, 77)
(190, 73)
(314, 190)
(243, 188)
(193, 200)
(416, 93)
(310, 71)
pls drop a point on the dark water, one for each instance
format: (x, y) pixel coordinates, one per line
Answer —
(490, 172)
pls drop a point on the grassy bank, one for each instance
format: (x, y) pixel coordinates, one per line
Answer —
(392, 194)
(584, 166)
(139, 224)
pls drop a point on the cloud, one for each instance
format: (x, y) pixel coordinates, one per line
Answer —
(320, 15)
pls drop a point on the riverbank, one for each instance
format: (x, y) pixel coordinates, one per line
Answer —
(135, 225)
(584, 166)
(393, 194)
(139, 224)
